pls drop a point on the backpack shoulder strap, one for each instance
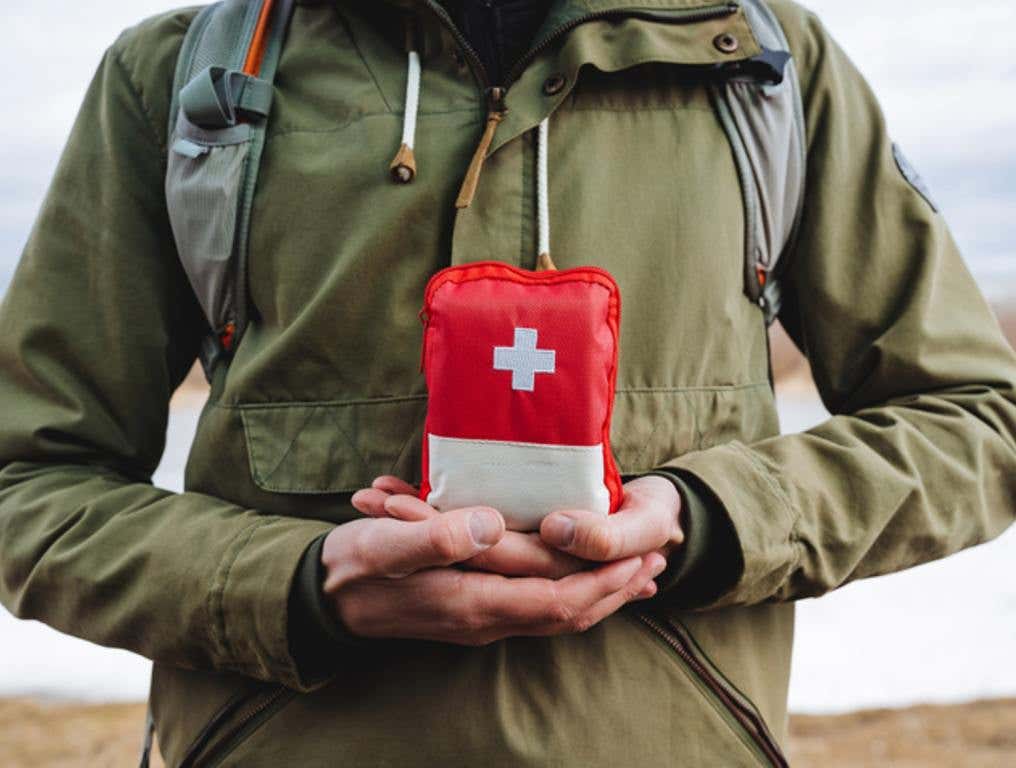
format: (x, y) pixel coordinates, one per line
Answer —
(764, 121)
(221, 98)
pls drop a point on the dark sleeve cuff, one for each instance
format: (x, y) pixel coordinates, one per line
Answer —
(709, 562)
(316, 636)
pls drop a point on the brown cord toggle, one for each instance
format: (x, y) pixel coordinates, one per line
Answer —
(468, 190)
(544, 262)
(403, 166)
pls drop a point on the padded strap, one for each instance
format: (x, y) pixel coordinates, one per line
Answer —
(223, 83)
(761, 111)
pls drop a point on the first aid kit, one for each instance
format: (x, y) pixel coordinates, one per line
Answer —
(520, 369)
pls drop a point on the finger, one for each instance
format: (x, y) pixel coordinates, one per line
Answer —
(409, 508)
(370, 502)
(630, 531)
(646, 569)
(395, 548)
(652, 566)
(649, 590)
(498, 601)
(392, 484)
(446, 604)
(525, 554)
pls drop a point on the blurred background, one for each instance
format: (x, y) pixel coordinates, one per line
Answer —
(946, 631)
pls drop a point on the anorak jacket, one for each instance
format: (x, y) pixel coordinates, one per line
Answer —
(100, 325)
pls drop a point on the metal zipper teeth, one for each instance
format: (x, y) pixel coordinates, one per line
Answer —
(209, 746)
(474, 58)
(205, 735)
(249, 716)
(685, 16)
(748, 719)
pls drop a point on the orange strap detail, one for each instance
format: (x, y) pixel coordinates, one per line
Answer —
(227, 336)
(259, 42)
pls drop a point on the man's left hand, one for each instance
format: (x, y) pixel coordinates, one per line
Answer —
(648, 520)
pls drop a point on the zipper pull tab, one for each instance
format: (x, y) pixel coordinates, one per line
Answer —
(496, 110)
(425, 320)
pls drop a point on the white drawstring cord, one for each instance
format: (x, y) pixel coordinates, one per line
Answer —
(412, 99)
(543, 259)
(403, 167)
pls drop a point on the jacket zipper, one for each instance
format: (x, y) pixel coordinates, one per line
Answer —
(675, 16)
(209, 749)
(747, 718)
(495, 94)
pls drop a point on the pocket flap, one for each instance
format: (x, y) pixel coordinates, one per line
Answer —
(333, 447)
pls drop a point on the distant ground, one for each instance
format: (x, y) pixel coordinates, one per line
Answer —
(977, 735)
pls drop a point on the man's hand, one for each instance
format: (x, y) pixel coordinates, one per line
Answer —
(516, 554)
(649, 520)
(390, 577)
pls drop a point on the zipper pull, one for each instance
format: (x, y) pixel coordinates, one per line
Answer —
(425, 320)
(496, 110)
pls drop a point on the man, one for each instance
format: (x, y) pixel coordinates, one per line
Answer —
(300, 611)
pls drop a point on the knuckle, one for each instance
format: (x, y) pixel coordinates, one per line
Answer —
(442, 540)
(632, 591)
(559, 611)
(364, 548)
(471, 622)
(599, 542)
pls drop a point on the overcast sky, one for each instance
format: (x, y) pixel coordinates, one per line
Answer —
(943, 70)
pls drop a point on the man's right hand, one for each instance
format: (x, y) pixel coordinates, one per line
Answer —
(394, 578)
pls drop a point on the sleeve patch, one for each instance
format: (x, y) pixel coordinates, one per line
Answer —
(913, 178)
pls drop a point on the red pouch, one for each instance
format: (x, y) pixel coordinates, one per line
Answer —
(520, 369)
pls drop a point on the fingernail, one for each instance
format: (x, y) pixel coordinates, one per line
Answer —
(485, 527)
(559, 531)
(659, 568)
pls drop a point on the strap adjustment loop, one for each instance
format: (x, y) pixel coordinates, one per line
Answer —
(218, 97)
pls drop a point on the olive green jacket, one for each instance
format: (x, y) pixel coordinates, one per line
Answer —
(100, 325)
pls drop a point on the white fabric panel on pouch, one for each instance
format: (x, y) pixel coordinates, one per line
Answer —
(515, 478)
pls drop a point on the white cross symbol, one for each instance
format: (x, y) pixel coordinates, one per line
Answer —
(524, 360)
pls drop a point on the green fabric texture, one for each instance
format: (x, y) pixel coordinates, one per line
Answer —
(100, 324)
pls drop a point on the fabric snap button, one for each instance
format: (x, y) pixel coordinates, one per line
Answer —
(726, 43)
(553, 85)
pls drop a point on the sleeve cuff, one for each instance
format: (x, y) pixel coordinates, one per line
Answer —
(708, 564)
(316, 635)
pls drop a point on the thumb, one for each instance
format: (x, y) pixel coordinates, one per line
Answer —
(396, 548)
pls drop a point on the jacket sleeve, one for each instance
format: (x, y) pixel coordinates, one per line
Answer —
(97, 329)
(919, 458)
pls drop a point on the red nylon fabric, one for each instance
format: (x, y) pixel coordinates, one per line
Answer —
(471, 309)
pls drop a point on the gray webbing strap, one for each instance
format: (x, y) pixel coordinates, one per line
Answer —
(217, 99)
(765, 125)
